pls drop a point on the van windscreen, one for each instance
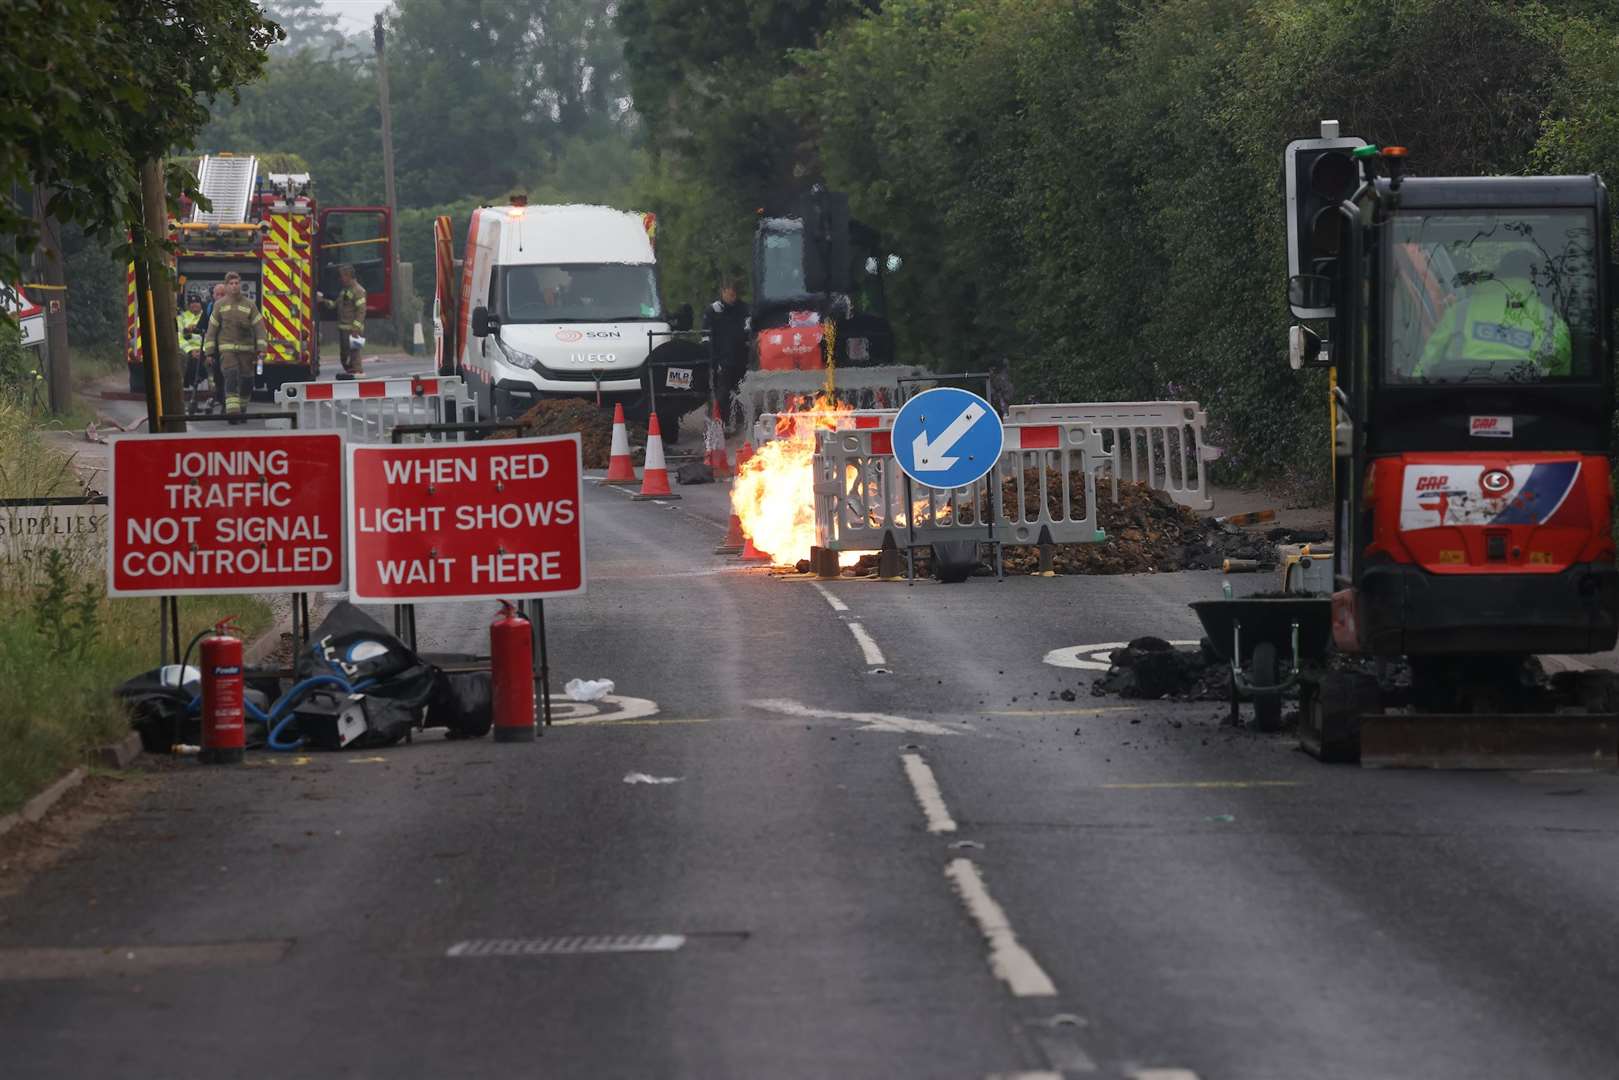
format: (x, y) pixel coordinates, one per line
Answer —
(577, 292)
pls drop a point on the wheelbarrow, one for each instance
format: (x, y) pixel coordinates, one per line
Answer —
(1265, 640)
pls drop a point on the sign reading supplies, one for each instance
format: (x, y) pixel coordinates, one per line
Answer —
(466, 521)
(250, 512)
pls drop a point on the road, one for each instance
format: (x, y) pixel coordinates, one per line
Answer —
(878, 842)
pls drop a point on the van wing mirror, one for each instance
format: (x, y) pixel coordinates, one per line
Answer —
(483, 323)
(1309, 291)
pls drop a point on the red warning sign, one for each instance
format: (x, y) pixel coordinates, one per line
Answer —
(466, 521)
(252, 512)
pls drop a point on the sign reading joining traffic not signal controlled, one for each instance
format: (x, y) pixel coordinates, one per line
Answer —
(466, 521)
(253, 512)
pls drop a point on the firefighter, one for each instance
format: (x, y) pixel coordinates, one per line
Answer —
(1500, 323)
(190, 330)
(236, 337)
(350, 307)
(726, 322)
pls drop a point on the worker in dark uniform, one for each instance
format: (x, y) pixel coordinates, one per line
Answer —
(726, 323)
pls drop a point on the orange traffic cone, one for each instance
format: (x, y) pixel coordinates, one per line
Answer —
(620, 469)
(655, 478)
(734, 540)
(718, 460)
(751, 553)
(743, 454)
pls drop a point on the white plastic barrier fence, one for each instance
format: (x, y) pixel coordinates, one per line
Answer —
(1157, 443)
(787, 425)
(862, 499)
(368, 410)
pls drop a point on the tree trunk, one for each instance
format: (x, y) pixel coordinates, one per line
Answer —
(59, 363)
(165, 332)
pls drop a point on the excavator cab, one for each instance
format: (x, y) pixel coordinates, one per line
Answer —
(1467, 325)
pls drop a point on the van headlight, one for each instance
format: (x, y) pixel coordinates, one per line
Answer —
(517, 357)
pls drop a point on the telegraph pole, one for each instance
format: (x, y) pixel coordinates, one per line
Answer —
(388, 185)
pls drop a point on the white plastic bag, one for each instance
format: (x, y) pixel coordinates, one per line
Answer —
(588, 689)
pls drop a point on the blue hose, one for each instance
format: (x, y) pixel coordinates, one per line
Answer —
(280, 714)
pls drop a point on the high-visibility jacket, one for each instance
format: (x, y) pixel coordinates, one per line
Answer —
(190, 338)
(350, 304)
(237, 325)
(1501, 322)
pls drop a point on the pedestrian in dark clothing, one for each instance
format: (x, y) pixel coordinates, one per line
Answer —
(726, 322)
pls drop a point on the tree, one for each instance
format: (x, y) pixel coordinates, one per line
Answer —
(95, 87)
(307, 25)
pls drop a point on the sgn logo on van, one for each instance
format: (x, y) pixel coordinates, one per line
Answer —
(570, 335)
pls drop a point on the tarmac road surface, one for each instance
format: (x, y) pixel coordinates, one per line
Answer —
(849, 829)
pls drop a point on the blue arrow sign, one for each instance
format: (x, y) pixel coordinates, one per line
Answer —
(947, 438)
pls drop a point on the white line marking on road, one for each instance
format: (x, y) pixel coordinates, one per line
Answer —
(1163, 1074)
(837, 605)
(611, 707)
(1041, 1074)
(643, 778)
(564, 946)
(1094, 657)
(928, 794)
(874, 655)
(869, 721)
(1009, 960)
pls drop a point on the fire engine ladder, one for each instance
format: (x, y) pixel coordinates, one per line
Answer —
(228, 182)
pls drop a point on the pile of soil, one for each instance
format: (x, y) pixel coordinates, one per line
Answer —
(564, 416)
(1152, 669)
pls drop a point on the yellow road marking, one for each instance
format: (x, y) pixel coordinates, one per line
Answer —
(1221, 784)
(367, 760)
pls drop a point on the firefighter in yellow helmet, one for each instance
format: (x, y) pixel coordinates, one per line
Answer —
(236, 336)
(350, 305)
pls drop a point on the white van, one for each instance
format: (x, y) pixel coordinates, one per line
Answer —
(557, 301)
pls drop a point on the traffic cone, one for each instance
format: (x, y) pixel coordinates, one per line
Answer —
(655, 477)
(620, 469)
(751, 553)
(743, 454)
(734, 540)
(718, 460)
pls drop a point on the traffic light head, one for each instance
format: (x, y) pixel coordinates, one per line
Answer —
(1320, 175)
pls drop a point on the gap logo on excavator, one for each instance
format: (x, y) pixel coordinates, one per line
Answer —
(1467, 325)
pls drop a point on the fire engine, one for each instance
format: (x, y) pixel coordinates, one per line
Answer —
(270, 230)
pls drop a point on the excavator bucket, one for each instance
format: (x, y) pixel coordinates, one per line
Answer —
(1502, 741)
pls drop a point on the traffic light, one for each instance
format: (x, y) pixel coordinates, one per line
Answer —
(826, 241)
(1320, 174)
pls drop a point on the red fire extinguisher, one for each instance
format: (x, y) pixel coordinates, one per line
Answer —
(511, 664)
(224, 729)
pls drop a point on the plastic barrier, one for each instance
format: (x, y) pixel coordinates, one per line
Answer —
(367, 410)
(762, 392)
(862, 499)
(1157, 443)
(785, 425)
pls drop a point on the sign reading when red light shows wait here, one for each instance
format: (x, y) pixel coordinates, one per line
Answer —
(466, 521)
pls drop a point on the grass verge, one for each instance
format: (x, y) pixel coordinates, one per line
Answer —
(64, 645)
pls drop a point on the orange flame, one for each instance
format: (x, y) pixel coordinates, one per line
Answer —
(773, 495)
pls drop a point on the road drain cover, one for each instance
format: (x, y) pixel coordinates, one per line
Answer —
(568, 946)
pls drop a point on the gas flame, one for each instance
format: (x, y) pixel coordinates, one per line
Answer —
(773, 494)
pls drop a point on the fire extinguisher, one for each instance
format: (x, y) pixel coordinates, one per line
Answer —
(224, 728)
(511, 665)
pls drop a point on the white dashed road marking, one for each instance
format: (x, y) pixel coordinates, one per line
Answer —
(837, 605)
(928, 794)
(1009, 960)
(874, 655)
